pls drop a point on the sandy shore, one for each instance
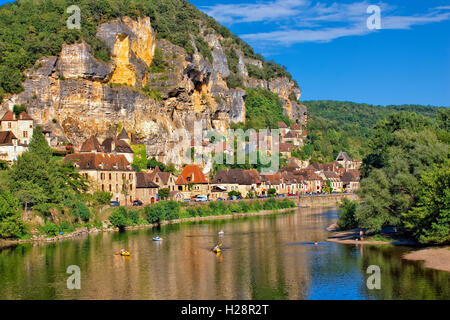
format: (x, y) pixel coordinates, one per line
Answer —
(352, 237)
(434, 258)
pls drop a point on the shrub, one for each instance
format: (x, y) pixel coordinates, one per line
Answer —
(164, 193)
(164, 210)
(102, 197)
(119, 218)
(347, 218)
(82, 212)
(133, 218)
(49, 228)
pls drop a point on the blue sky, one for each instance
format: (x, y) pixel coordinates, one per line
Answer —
(329, 50)
(332, 54)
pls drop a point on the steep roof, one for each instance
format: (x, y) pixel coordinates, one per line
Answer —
(143, 180)
(330, 175)
(193, 174)
(289, 135)
(281, 124)
(10, 116)
(343, 156)
(120, 146)
(98, 161)
(7, 137)
(123, 134)
(237, 176)
(92, 144)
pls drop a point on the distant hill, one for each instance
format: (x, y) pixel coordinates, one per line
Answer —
(334, 125)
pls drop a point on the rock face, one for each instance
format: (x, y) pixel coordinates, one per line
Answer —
(75, 95)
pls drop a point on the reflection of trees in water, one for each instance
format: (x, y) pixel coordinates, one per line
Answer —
(402, 279)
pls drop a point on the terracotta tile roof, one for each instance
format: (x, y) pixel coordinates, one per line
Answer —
(101, 162)
(193, 174)
(289, 135)
(330, 175)
(7, 137)
(24, 116)
(283, 125)
(296, 127)
(272, 179)
(9, 116)
(286, 147)
(305, 133)
(164, 176)
(351, 176)
(143, 180)
(237, 176)
(120, 146)
(91, 145)
(181, 181)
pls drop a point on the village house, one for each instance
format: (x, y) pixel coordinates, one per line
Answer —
(146, 189)
(335, 181)
(10, 149)
(20, 125)
(165, 180)
(107, 172)
(239, 180)
(271, 181)
(192, 182)
(313, 180)
(284, 129)
(118, 146)
(285, 149)
(347, 163)
(293, 184)
(350, 180)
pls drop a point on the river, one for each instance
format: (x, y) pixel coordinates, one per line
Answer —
(264, 257)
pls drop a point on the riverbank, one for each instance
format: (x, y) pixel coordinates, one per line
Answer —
(84, 231)
(433, 258)
(352, 237)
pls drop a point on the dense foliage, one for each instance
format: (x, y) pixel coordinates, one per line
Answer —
(334, 126)
(405, 177)
(30, 29)
(264, 109)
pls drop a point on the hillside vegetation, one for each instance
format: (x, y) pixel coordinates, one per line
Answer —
(335, 126)
(30, 29)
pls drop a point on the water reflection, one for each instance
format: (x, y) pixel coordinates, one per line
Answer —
(270, 257)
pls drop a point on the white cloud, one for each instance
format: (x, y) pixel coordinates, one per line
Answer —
(297, 21)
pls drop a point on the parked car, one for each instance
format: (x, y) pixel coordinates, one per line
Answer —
(219, 199)
(114, 204)
(137, 203)
(187, 200)
(201, 199)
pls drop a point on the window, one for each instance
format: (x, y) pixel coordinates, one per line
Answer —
(110, 188)
(9, 125)
(110, 177)
(31, 126)
(157, 179)
(103, 187)
(117, 188)
(130, 176)
(124, 176)
(25, 134)
(131, 187)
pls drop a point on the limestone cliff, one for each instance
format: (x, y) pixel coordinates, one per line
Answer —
(75, 96)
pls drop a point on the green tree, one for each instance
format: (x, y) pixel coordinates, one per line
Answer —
(429, 219)
(11, 224)
(163, 193)
(347, 219)
(119, 218)
(102, 197)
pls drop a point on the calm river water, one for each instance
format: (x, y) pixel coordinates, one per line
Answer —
(265, 257)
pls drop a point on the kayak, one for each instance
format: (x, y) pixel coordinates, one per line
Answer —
(216, 250)
(125, 254)
(221, 233)
(157, 239)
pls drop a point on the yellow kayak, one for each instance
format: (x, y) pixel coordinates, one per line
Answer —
(125, 254)
(216, 250)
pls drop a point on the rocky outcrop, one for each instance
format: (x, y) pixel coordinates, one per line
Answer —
(74, 95)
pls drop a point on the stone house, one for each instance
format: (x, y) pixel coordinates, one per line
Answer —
(146, 189)
(350, 180)
(192, 182)
(107, 172)
(10, 149)
(21, 126)
(240, 180)
(335, 182)
(346, 162)
(284, 129)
